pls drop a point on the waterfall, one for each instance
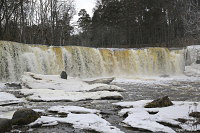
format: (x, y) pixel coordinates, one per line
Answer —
(16, 58)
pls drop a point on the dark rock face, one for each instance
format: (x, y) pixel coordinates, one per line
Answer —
(24, 116)
(5, 125)
(161, 102)
(63, 75)
(195, 114)
(198, 62)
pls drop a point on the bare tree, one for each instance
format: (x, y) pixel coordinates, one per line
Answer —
(191, 17)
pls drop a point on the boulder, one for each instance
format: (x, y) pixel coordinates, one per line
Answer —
(198, 62)
(195, 114)
(161, 102)
(24, 116)
(63, 75)
(5, 125)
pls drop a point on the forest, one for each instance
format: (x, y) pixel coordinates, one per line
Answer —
(115, 23)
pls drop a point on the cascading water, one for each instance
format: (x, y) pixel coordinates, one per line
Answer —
(17, 58)
(192, 54)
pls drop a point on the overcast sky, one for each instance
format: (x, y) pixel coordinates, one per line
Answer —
(84, 4)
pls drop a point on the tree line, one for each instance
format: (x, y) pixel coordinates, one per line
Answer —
(36, 21)
(115, 23)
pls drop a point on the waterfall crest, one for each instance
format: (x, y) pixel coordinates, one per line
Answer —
(16, 58)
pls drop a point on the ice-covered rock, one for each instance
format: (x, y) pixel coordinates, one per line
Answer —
(101, 80)
(140, 117)
(108, 88)
(62, 95)
(7, 99)
(135, 104)
(72, 109)
(81, 121)
(54, 82)
(91, 122)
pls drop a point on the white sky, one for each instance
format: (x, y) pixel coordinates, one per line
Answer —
(84, 4)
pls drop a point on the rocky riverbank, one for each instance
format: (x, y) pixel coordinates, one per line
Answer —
(87, 115)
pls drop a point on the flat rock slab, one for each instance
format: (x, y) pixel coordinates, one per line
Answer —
(61, 95)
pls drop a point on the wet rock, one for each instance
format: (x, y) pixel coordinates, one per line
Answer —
(102, 80)
(161, 102)
(182, 120)
(63, 75)
(112, 97)
(13, 85)
(198, 62)
(24, 116)
(195, 114)
(5, 125)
